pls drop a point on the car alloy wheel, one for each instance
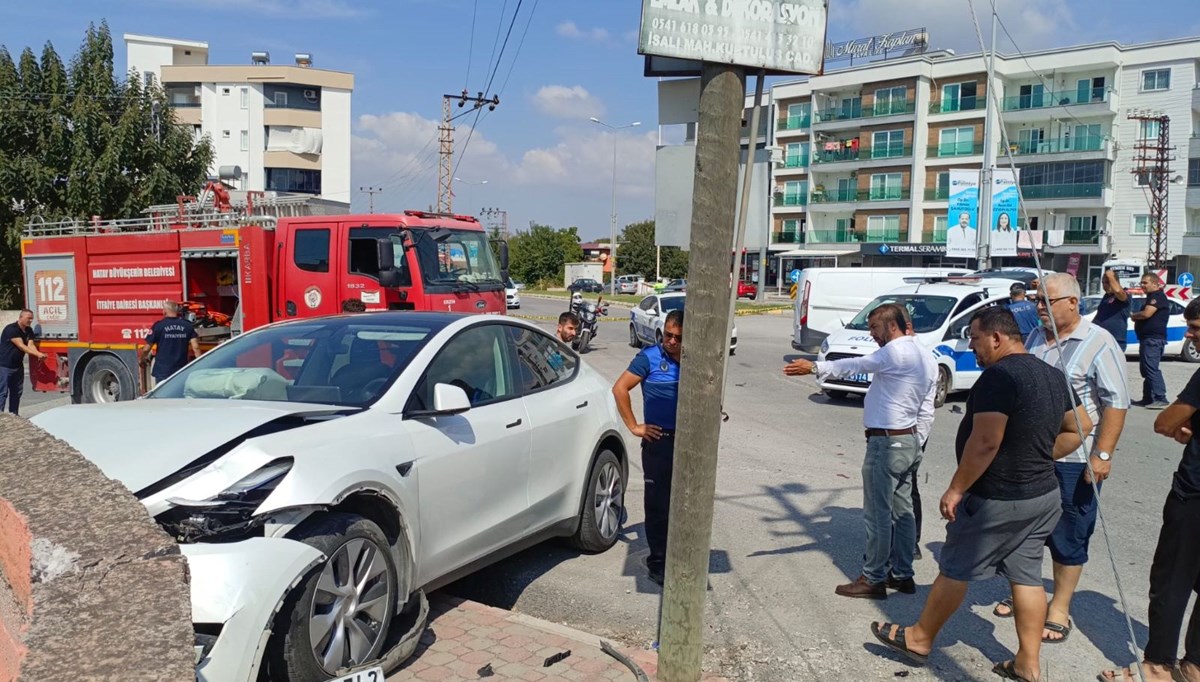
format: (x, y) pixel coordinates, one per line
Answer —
(609, 499)
(603, 504)
(350, 605)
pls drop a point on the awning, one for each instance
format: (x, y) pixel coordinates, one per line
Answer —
(815, 253)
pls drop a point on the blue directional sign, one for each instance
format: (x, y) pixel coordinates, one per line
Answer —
(1185, 279)
(794, 276)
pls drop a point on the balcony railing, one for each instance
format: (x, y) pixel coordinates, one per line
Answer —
(956, 149)
(797, 161)
(1082, 190)
(949, 106)
(873, 153)
(1083, 143)
(887, 234)
(791, 200)
(184, 103)
(884, 194)
(938, 236)
(1065, 98)
(882, 109)
(1081, 237)
(833, 237)
(834, 196)
(787, 237)
(937, 193)
(794, 122)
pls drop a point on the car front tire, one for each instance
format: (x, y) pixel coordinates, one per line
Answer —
(943, 387)
(603, 501)
(339, 614)
(1190, 352)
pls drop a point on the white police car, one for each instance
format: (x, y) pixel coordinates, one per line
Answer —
(941, 310)
(1176, 326)
(647, 318)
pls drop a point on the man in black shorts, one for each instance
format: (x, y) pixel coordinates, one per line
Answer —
(1003, 501)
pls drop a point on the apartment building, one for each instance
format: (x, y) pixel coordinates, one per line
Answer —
(284, 127)
(863, 154)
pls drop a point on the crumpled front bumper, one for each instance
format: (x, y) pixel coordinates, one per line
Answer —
(241, 585)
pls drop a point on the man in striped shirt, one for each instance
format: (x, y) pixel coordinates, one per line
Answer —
(1095, 368)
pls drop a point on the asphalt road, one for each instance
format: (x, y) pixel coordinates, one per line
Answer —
(788, 529)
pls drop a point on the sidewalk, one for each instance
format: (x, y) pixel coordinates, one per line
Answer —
(467, 640)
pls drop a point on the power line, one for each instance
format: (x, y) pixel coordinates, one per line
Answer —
(521, 44)
(491, 79)
(471, 45)
(1021, 54)
(496, 40)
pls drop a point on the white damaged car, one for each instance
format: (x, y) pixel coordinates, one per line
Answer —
(320, 473)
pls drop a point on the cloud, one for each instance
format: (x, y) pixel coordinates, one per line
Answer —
(561, 101)
(582, 158)
(568, 29)
(1034, 24)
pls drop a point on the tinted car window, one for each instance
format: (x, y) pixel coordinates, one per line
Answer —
(477, 361)
(541, 361)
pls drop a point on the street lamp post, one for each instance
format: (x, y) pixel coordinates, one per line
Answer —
(612, 243)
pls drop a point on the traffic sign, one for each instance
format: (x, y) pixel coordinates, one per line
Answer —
(1185, 279)
(794, 276)
(793, 292)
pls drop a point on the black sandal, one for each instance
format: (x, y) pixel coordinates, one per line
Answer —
(1008, 670)
(1008, 603)
(1064, 630)
(898, 644)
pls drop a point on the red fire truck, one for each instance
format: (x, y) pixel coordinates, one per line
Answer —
(96, 287)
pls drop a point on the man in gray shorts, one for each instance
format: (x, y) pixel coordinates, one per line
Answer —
(1003, 501)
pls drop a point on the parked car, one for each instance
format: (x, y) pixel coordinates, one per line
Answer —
(646, 320)
(676, 285)
(411, 447)
(1176, 327)
(586, 286)
(628, 284)
(512, 295)
(747, 289)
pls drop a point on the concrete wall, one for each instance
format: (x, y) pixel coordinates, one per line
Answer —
(90, 587)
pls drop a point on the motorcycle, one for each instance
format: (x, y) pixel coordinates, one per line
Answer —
(589, 316)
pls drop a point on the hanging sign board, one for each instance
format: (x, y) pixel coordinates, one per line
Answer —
(786, 36)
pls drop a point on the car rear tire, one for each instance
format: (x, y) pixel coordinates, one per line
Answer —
(943, 387)
(359, 570)
(634, 341)
(837, 395)
(603, 501)
(1190, 352)
(106, 380)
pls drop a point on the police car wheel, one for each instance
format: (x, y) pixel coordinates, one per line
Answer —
(1190, 352)
(633, 338)
(943, 387)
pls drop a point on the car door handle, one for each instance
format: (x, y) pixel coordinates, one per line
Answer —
(513, 425)
(404, 469)
(581, 405)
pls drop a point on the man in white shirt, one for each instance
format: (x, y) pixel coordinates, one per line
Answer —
(897, 415)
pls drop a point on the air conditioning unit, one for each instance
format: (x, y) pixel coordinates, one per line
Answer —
(311, 95)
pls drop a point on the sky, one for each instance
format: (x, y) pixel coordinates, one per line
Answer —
(537, 156)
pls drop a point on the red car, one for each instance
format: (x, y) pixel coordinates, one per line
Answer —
(747, 290)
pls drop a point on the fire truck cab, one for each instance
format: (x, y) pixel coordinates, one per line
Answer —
(97, 287)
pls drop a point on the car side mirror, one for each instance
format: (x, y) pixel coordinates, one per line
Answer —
(385, 254)
(652, 312)
(389, 278)
(450, 399)
(965, 334)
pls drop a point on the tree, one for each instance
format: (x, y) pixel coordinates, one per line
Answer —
(78, 142)
(538, 255)
(637, 254)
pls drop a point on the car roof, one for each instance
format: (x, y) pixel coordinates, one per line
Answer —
(952, 290)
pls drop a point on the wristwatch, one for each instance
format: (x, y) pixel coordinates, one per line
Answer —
(813, 370)
(1104, 456)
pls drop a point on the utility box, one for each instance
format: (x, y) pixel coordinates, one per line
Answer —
(576, 271)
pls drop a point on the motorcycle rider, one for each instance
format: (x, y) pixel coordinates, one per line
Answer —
(568, 326)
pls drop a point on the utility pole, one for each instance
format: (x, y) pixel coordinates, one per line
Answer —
(612, 228)
(446, 143)
(983, 232)
(495, 213)
(1152, 157)
(689, 537)
(371, 191)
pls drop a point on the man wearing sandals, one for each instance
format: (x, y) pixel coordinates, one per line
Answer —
(1175, 573)
(1095, 367)
(1003, 501)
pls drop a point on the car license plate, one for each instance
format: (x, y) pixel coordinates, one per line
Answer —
(860, 378)
(370, 675)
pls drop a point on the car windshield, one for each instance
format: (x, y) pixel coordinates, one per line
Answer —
(338, 361)
(1089, 304)
(928, 313)
(464, 256)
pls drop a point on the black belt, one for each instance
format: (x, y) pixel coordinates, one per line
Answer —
(890, 432)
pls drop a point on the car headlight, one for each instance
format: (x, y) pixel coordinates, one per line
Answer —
(824, 346)
(227, 514)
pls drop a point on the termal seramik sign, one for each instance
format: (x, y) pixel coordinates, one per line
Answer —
(777, 35)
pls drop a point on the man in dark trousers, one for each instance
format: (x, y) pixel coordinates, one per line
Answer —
(1150, 324)
(16, 341)
(1175, 572)
(656, 368)
(173, 336)
(1003, 500)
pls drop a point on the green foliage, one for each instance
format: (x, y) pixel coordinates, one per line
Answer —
(76, 141)
(636, 253)
(539, 254)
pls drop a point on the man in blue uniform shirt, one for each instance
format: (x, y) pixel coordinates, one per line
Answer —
(1023, 310)
(657, 370)
(173, 336)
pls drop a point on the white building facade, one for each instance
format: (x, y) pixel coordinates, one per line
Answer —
(286, 128)
(864, 152)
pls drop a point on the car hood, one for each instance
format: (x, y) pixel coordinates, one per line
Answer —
(140, 442)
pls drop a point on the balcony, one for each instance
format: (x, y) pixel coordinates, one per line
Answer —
(964, 104)
(835, 196)
(887, 235)
(1085, 190)
(1081, 237)
(1082, 241)
(793, 123)
(1191, 243)
(885, 194)
(787, 237)
(937, 194)
(837, 118)
(1079, 148)
(954, 150)
(797, 161)
(791, 200)
(1035, 107)
(844, 236)
(938, 236)
(860, 158)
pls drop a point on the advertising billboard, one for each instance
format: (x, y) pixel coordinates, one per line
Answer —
(1005, 212)
(962, 235)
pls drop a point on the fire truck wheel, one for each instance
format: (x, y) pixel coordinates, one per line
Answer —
(106, 380)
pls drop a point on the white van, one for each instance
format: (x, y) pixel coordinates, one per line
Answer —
(941, 312)
(828, 298)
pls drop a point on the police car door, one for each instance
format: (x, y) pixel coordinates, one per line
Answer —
(954, 352)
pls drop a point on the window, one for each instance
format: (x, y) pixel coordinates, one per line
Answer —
(886, 186)
(1141, 179)
(1148, 130)
(245, 140)
(1064, 173)
(1089, 90)
(956, 141)
(147, 77)
(310, 250)
(225, 134)
(959, 96)
(294, 180)
(940, 223)
(794, 188)
(791, 230)
(1156, 79)
(891, 101)
(477, 361)
(943, 185)
(1081, 223)
(1141, 224)
(1029, 140)
(245, 97)
(364, 253)
(886, 144)
(1193, 175)
(280, 98)
(802, 109)
(225, 91)
(541, 361)
(883, 228)
(1084, 138)
(851, 107)
(1031, 96)
(648, 303)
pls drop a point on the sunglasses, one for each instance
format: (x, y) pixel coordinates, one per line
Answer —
(1043, 301)
(668, 336)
